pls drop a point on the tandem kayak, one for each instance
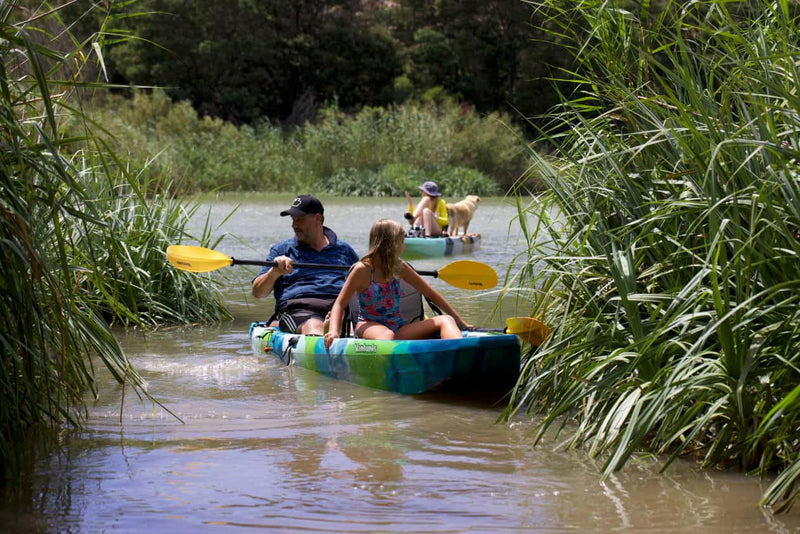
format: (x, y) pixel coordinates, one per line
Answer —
(433, 247)
(478, 361)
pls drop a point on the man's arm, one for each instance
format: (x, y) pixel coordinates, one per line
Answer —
(263, 284)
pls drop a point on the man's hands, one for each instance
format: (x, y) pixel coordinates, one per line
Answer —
(262, 285)
(283, 265)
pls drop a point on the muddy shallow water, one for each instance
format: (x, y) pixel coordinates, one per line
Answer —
(263, 447)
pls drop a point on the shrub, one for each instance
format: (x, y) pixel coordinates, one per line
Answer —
(82, 239)
(394, 180)
(204, 154)
(666, 249)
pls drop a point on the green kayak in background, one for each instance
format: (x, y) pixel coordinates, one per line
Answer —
(479, 361)
(434, 247)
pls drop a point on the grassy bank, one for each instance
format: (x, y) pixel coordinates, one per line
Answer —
(673, 289)
(375, 152)
(82, 240)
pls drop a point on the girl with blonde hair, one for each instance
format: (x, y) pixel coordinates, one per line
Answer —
(376, 280)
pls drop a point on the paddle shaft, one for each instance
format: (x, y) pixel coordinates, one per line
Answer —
(498, 330)
(234, 261)
(464, 274)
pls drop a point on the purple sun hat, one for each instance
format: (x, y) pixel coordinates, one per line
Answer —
(430, 188)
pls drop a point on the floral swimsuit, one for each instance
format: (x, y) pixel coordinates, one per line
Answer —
(380, 303)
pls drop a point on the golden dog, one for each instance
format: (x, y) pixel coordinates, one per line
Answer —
(461, 213)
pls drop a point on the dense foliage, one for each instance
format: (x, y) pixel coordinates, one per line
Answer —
(82, 239)
(375, 152)
(670, 273)
(242, 61)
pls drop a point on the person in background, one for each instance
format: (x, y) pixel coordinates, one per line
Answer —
(376, 281)
(304, 296)
(431, 211)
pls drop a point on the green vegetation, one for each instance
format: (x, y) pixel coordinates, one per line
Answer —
(670, 274)
(377, 151)
(82, 239)
(286, 60)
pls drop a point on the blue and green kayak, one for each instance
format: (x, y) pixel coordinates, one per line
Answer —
(477, 361)
(435, 247)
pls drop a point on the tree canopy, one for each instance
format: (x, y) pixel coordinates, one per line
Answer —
(279, 60)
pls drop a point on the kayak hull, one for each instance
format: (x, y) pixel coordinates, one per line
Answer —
(477, 361)
(436, 247)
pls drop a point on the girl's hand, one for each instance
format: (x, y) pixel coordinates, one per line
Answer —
(329, 337)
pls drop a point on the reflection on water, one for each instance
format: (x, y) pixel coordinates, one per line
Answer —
(270, 448)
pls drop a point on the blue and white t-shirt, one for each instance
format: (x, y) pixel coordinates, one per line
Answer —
(311, 283)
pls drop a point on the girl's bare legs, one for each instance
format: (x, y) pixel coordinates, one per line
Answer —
(370, 330)
(444, 325)
(430, 224)
(423, 205)
(426, 217)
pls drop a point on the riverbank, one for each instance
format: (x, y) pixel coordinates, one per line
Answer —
(374, 152)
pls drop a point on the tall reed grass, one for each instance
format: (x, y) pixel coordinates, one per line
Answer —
(82, 238)
(670, 272)
(442, 140)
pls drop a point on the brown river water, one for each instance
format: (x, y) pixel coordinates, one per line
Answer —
(269, 448)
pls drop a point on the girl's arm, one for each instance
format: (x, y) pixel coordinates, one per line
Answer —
(357, 281)
(412, 277)
(410, 204)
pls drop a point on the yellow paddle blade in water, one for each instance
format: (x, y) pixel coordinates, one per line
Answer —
(196, 259)
(468, 274)
(531, 330)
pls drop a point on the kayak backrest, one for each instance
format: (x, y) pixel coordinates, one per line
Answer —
(410, 303)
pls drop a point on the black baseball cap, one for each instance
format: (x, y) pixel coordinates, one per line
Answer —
(304, 205)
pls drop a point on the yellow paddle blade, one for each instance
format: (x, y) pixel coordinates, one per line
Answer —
(531, 330)
(468, 274)
(196, 259)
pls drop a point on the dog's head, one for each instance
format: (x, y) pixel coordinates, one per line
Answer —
(474, 198)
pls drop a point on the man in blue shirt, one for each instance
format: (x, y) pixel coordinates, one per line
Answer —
(304, 296)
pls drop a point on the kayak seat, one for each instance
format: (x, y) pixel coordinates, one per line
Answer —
(411, 308)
